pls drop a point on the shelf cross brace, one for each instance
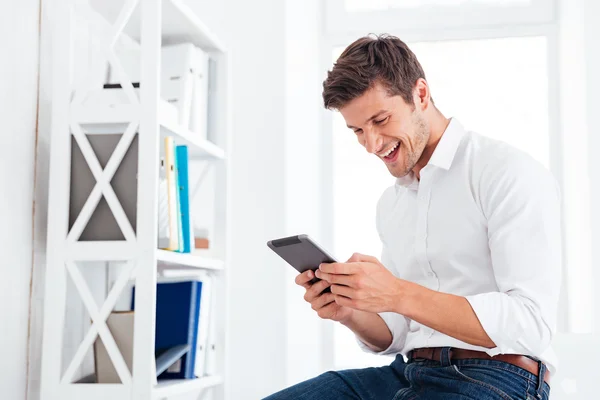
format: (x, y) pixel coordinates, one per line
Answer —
(103, 186)
(107, 46)
(99, 318)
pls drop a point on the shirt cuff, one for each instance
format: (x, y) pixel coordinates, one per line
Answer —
(398, 335)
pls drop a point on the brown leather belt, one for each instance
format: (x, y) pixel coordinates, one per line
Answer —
(434, 354)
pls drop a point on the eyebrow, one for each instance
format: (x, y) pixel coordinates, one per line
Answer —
(370, 119)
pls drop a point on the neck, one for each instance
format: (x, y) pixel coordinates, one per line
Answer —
(437, 125)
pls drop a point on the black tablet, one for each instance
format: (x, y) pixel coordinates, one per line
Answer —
(301, 252)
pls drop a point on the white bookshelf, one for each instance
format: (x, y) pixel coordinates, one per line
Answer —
(147, 24)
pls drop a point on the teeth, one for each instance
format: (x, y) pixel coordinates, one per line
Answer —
(390, 150)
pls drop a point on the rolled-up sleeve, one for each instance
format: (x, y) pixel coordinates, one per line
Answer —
(398, 326)
(521, 202)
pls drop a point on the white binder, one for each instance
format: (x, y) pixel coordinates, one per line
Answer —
(199, 107)
(177, 80)
(203, 326)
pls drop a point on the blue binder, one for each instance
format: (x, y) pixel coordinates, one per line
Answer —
(177, 314)
(184, 196)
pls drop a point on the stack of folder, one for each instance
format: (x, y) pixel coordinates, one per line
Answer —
(182, 329)
(174, 219)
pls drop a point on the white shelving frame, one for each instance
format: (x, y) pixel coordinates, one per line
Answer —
(151, 23)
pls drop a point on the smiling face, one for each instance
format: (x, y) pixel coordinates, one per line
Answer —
(388, 127)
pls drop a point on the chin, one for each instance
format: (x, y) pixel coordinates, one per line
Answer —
(398, 173)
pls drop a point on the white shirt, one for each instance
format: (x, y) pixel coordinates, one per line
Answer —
(482, 222)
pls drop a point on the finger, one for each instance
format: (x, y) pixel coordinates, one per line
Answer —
(344, 291)
(345, 301)
(315, 290)
(304, 278)
(322, 301)
(347, 280)
(358, 257)
(328, 311)
(339, 268)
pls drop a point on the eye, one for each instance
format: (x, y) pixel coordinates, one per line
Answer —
(381, 121)
(358, 131)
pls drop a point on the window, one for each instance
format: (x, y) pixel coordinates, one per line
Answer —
(362, 5)
(497, 87)
(343, 16)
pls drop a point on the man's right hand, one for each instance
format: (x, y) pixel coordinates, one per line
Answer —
(322, 303)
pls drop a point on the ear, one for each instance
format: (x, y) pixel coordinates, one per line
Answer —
(421, 95)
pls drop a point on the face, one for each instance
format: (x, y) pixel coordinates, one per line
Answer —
(389, 128)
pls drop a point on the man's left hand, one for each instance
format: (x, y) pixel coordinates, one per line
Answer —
(363, 283)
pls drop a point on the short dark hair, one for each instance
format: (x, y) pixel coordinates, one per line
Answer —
(371, 59)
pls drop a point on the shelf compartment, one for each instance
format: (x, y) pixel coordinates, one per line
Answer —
(110, 120)
(187, 261)
(179, 23)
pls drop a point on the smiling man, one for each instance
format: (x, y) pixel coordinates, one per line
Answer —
(466, 291)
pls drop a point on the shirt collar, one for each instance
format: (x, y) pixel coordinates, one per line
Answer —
(446, 149)
(442, 156)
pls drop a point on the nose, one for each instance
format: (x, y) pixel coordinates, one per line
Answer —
(372, 141)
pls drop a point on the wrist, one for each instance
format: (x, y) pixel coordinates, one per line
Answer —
(403, 298)
(348, 320)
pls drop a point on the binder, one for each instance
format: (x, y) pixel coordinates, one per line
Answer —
(177, 78)
(184, 197)
(163, 207)
(199, 106)
(167, 358)
(176, 82)
(203, 327)
(172, 194)
(178, 202)
(177, 314)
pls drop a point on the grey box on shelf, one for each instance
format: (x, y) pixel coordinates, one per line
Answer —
(102, 224)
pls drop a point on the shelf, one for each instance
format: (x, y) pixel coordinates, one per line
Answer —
(179, 23)
(178, 387)
(109, 120)
(171, 259)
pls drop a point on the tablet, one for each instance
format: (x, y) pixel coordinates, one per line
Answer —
(301, 252)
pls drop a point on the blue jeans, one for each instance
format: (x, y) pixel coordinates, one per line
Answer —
(423, 379)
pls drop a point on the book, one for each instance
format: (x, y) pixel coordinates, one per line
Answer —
(184, 197)
(163, 228)
(178, 202)
(173, 201)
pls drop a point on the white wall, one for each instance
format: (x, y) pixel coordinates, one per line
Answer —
(592, 54)
(275, 46)
(18, 107)
(306, 354)
(254, 34)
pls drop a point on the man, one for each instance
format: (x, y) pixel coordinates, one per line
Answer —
(468, 282)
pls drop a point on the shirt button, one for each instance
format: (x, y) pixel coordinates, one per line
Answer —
(430, 274)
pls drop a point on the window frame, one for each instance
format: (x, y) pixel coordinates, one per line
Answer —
(339, 20)
(424, 30)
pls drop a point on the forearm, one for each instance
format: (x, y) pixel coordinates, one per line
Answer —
(370, 329)
(445, 313)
